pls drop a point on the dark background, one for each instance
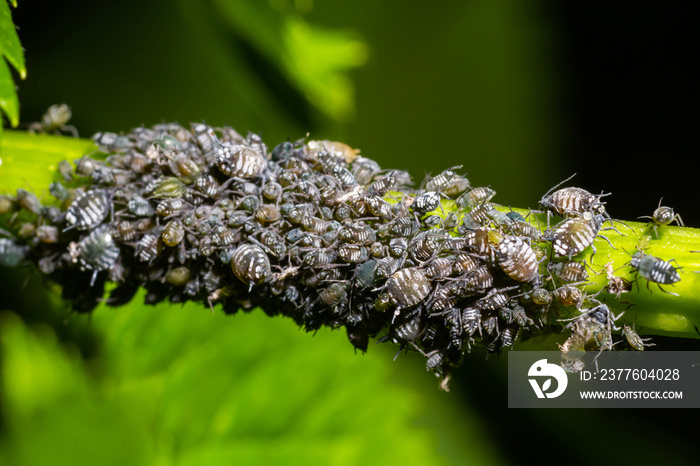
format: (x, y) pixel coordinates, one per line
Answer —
(521, 94)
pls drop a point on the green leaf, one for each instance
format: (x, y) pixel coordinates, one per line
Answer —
(11, 49)
(313, 59)
(30, 160)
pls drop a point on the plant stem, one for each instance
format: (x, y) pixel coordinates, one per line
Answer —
(31, 160)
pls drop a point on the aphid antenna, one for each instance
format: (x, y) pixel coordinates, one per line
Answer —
(553, 188)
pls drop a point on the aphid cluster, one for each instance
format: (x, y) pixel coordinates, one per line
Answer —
(316, 232)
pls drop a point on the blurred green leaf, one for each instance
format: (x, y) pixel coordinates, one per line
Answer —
(180, 385)
(11, 49)
(30, 160)
(314, 59)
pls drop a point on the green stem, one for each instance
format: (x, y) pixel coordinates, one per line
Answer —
(31, 160)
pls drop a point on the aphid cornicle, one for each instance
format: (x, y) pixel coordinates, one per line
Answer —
(655, 270)
(88, 210)
(250, 264)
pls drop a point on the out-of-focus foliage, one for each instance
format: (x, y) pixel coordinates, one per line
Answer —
(184, 386)
(30, 160)
(10, 50)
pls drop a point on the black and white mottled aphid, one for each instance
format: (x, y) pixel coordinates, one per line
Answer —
(382, 186)
(353, 253)
(426, 202)
(28, 201)
(408, 287)
(140, 207)
(54, 119)
(655, 270)
(572, 201)
(88, 210)
(239, 161)
(475, 196)
(569, 271)
(575, 234)
(250, 264)
(11, 253)
(97, 251)
(518, 260)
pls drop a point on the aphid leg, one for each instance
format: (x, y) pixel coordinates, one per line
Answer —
(667, 292)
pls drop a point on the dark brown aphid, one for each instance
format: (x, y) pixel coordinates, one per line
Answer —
(439, 268)
(239, 161)
(518, 260)
(569, 295)
(353, 253)
(250, 264)
(148, 247)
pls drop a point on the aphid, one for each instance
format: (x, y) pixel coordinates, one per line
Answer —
(426, 202)
(465, 263)
(6, 204)
(353, 253)
(185, 168)
(634, 340)
(382, 186)
(572, 201)
(11, 253)
(495, 299)
(28, 201)
(148, 247)
(110, 142)
(522, 228)
(663, 216)
(320, 257)
(338, 149)
(541, 297)
(509, 335)
(439, 268)
(478, 216)
(408, 287)
(441, 181)
(443, 298)
(592, 330)
(165, 187)
(363, 169)
(272, 191)
(568, 295)
(404, 227)
(168, 207)
(250, 264)
(471, 320)
(407, 331)
(357, 234)
(88, 210)
(54, 119)
(178, 276)
(568, 272)
(173, 233)
(314, 224)
(475, 197)
(517, 259)
(378, 207)
(334, 295)
(655, 270)
(344, 175)
(59, 191)
(397, 247)
(516, 313)
(574, 234)
(431, 221)
(450, 221)
(239, 161)
(47, 234)
(140, 207)
(490, 324)
(65, 170)
(268, 213)
(616, 285)
(98, 251)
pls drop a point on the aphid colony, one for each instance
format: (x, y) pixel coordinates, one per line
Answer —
(314, 231)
